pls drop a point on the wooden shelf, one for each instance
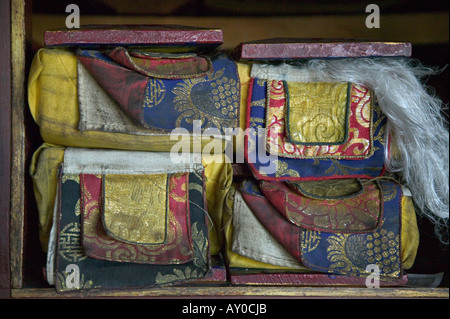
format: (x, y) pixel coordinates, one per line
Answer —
(247, 291)
(417, 28)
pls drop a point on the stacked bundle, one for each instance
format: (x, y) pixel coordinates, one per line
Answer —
(115, 201)
(322, 192)
(324, 186)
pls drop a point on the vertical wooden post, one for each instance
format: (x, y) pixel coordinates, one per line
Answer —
(18, 87)
(5, 145)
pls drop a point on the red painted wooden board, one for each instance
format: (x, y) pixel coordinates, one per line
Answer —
(134, 35)
(273, 49)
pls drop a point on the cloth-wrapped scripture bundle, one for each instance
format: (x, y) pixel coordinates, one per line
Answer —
(330, 157)
(129, 209)
(44, 173)
(407, 123)
(306, 235)
(128, 224)
(110, 99)
(359, 133)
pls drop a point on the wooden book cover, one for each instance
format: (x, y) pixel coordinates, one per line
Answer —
(290, 48)
(173, 36)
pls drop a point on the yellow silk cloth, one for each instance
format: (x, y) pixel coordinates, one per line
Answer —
(53, 102)
(44, 173)
(218, 179)
(410, 233)
(47, 158)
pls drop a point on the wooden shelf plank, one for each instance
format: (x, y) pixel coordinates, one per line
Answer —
(247, 291)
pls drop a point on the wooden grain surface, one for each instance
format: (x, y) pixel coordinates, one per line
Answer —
(134, 34)
(5, 145)
(18, 85)
(318, 48)
(248, 291)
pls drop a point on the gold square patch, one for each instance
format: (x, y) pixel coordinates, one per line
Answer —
(317, 112)
(135, 208)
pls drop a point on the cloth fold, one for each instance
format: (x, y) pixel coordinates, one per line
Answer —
(154, 103)
(53, 100)
(390, 247)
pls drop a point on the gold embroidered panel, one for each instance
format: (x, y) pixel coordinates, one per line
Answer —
(135, 208)
(317, 112)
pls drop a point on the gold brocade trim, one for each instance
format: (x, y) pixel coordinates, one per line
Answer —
(135, 208)
(127, 252)
(361, 212)
(221, 111)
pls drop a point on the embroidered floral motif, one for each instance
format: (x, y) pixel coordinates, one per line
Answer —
(349, 255)
(163, 104)
(213, 100)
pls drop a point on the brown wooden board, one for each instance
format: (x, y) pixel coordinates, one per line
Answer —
(5, 146)
(174, 36)
(288, 48)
